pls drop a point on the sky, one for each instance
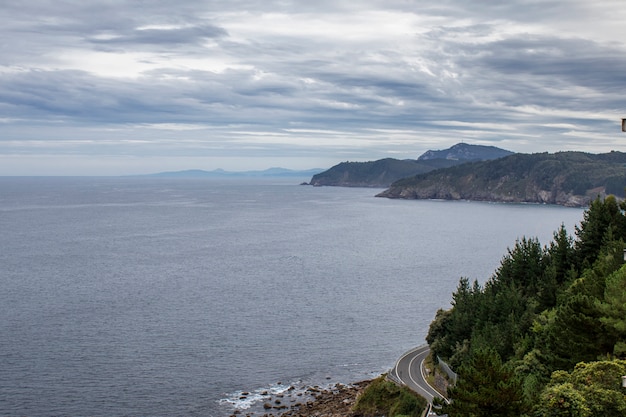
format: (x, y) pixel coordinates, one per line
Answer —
(127, 87)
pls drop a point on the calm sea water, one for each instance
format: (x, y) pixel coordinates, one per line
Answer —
(160, 297)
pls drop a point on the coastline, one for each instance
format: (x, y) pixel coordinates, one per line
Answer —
(334, 401)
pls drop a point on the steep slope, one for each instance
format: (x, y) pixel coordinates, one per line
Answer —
(384, 172)
(380, 173)
(565, 178)
(466, 152)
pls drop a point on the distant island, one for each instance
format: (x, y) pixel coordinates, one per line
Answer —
(220, 173)
(382, 173)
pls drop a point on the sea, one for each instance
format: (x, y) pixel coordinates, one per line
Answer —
(142, 296)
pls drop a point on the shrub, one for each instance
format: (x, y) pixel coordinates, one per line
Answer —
(382, 397)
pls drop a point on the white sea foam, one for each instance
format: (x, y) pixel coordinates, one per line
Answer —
(244, 400)
(173, 292)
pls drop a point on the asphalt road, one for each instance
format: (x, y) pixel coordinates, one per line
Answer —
(409, 371)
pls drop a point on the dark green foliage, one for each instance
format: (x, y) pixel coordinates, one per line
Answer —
(497, 315)
(382, 397)
(569, 178)
(616, 185)
(451, 330)
(591, 389)
(486, 388)
(380, 173)
(522, 268)
(561, 257)
(612, 309)
(465, 151)
(545, 309)
(602, 222)
(383, 172)
(575, 334)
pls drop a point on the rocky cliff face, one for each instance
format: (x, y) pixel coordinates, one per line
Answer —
(565, 178)
(532, 195)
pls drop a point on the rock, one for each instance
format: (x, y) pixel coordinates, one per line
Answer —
(335, 402)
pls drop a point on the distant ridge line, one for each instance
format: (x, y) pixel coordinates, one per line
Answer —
(220, 173)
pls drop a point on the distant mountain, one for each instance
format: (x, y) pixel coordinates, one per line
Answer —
(564, 178)
(384, 172)
(466, 152)
(217, 173)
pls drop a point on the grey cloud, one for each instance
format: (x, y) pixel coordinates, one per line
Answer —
(175, 36)
(461, 77)
(543, 70)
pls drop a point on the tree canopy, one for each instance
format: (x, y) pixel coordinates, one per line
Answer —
(550, 325)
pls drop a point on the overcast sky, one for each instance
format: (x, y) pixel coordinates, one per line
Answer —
(121, 87)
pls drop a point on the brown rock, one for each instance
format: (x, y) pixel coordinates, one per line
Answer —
(337, 402)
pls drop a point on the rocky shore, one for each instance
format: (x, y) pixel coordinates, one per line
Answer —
(335, 401)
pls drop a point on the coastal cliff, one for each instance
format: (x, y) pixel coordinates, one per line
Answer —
(383, 172)
(565, 178)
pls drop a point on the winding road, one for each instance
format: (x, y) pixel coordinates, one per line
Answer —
(409, 371)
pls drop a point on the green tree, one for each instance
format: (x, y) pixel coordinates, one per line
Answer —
(508, 317)
(577, 330)
(544, 310)
(523, 267)
(486, 387)
(563, 400)
(613, 309)
(450, 332)
(591, 389)
(534, 374)
(574, 334)
(602, 219)
(559, 270)
(438, 337)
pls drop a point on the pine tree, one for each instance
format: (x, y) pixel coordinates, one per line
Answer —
(486, 388)
(613, 310)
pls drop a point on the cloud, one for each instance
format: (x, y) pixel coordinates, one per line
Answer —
(161, 35)
(328, 80)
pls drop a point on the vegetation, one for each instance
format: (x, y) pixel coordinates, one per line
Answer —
(546, 334)
(591, 389)
(382, 397)
(379, 173)
(466, 152)
(383, 172)
(567, 178)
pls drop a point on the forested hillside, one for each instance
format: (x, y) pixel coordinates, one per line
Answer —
(566, 178)
(546, 334)
(384, 172)
(380, 173)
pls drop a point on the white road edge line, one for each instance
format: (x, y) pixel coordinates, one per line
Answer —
(428, 394)
(423, 347)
